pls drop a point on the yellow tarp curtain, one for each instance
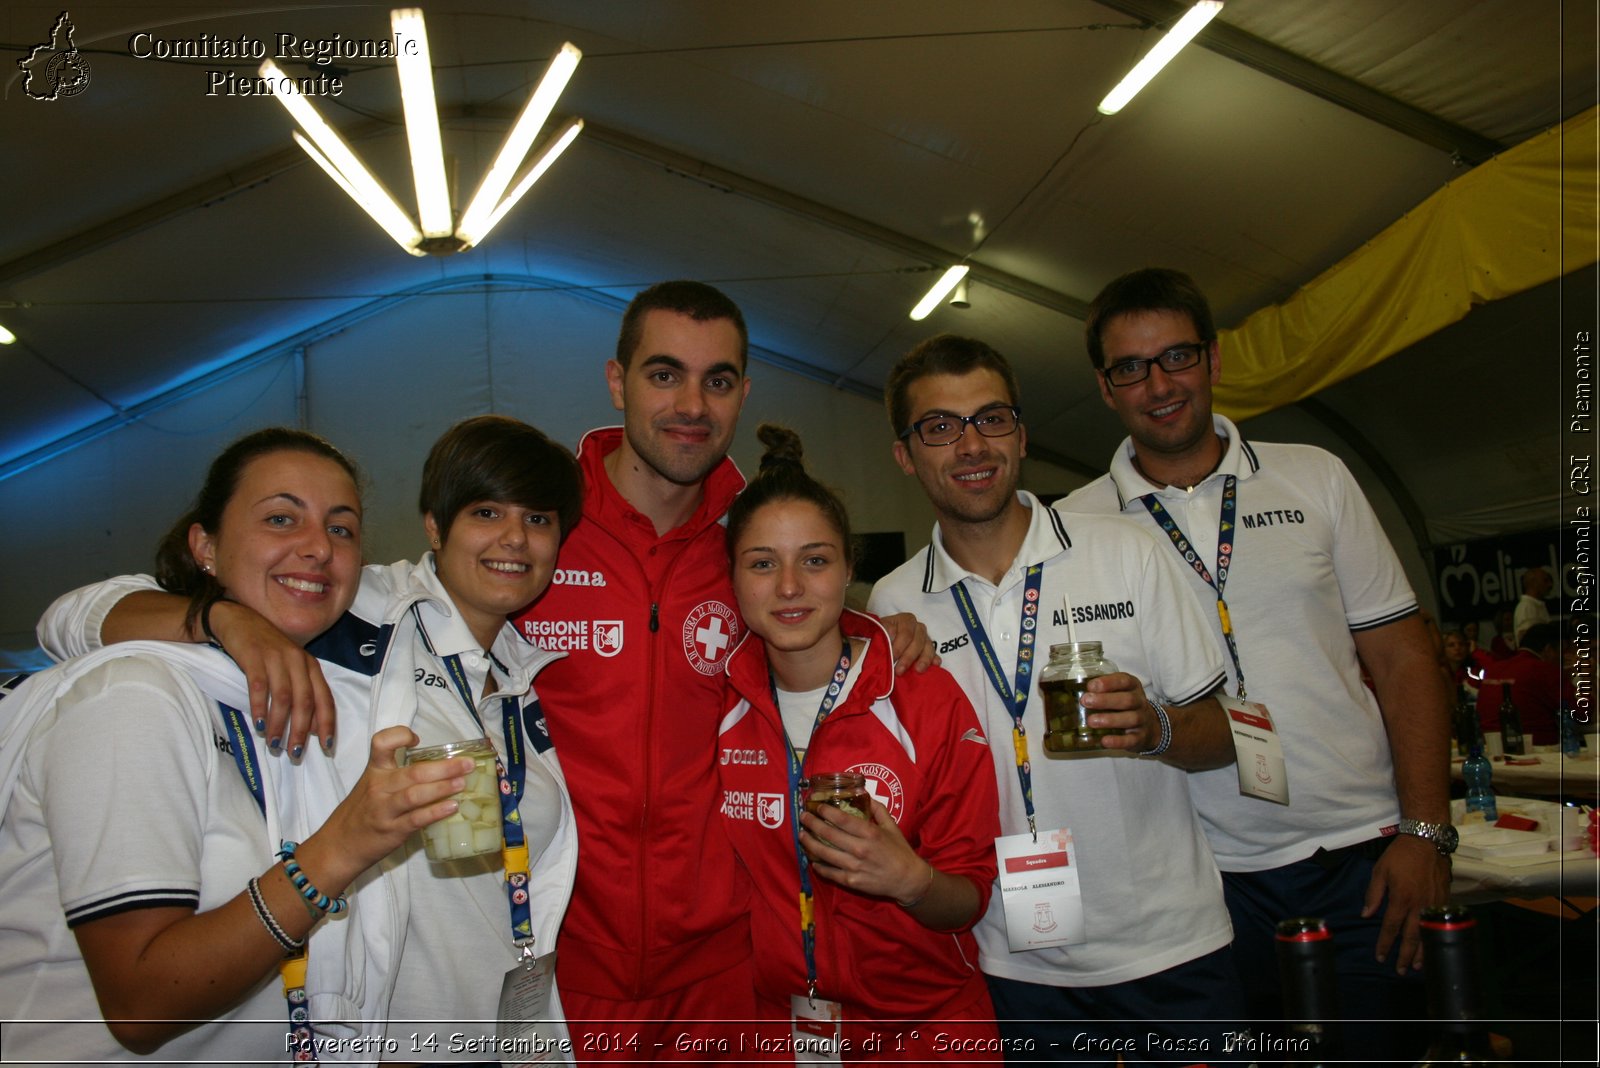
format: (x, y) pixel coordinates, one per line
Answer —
(1519, 220)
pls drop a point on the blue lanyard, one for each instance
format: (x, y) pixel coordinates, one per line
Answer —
(292, 970)
(1016, 699)
(513, 774)
(1180, 542)
(808, 920)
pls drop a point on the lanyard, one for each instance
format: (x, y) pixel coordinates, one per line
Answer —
(808, 920)
(512, 772)
(292, 970)
(1230, 507)
(1015, 699)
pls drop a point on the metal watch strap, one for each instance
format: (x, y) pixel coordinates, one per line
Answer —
(1431, 832)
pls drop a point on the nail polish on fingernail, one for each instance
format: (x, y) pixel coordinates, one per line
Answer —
(297, 752)
(261, 726)
(327, 744)
(275, 744)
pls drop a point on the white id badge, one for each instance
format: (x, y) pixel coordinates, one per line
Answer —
(815, 1027)
(528, 1034)
(1039, 888)
(1255, 741)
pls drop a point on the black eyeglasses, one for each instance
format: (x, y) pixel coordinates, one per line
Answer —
(1178, 358)
(993, 422)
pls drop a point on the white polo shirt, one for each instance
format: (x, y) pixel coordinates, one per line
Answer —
(1310, 565)
(1152, 898)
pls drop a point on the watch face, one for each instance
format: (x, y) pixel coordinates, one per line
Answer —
(1448, 838)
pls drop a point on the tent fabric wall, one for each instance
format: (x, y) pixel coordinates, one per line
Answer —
(383, 389)
(1523, 218)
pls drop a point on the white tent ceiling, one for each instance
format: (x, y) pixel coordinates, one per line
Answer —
(819, 160)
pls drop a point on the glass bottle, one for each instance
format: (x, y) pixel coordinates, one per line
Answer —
(1072, 665)
(1510, 723)
(1310, 991)
(1479, 774)
(1468, 730)
(1450, 967)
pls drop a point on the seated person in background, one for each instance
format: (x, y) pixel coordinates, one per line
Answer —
(1502, 645)
(898, 885)
(138, 881)
(1538, 686)
(1466, 663)
(1436, 643)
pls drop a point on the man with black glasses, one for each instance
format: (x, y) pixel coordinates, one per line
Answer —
(1107, 934)
(1339, 804)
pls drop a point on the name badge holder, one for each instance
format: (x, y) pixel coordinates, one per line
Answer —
(1038, 878)
(291, 970)
(525, 991)
(814, 1022)
(1259, 754)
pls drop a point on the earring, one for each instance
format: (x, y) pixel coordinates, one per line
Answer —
(206, 568)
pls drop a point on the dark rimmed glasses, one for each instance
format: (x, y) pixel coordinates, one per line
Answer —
(1177, 358)
(995, 421)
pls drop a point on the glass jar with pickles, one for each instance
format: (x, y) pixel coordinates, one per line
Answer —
(474, 828)
(1071, 666)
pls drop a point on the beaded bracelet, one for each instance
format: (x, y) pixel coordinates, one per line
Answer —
(1166, 731)
(302, 882)
(269, 921)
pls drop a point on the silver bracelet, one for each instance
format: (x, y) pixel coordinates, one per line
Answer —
(1166, 731)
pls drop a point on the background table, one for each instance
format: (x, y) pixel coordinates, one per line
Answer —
(1553, 775)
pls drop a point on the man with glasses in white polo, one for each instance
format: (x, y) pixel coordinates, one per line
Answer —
(1338, 806)
(1107, 936)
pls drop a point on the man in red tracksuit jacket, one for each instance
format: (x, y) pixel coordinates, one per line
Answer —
(658, 928)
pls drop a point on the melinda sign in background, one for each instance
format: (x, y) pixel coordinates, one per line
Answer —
(1476, 579)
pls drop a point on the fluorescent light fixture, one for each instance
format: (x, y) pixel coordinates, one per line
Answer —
(415, 68)
(368, 192)
(518, 141)
(1193, 21)
(535, 171)
(6, 336)
(940, 290)
(438, 234)
(405, 241)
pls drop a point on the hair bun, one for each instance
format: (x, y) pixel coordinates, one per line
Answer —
(783, 446)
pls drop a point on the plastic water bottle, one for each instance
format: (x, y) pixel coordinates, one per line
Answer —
(1480, 793)
(1571, 742)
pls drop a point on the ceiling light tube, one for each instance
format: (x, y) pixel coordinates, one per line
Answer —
(518, 141)
(368, 192)
(940, 290)
(415, 68)
(1182, 32)
(6, 336)
(406, 241)
(551, 152)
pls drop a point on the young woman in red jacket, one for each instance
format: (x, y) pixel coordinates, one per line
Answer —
(863, 912)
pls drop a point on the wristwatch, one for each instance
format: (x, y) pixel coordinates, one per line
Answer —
(1442, 835)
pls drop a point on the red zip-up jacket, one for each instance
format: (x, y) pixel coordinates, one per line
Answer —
(647, 624)
(918, 741)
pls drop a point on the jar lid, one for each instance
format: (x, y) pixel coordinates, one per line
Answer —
(472, 747)
(1075, 649)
